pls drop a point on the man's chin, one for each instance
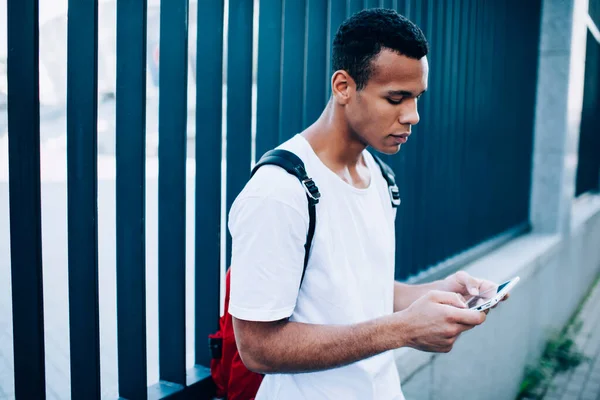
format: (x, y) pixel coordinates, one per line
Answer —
(388, 150)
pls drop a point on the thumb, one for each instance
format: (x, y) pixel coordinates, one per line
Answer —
(470, 283)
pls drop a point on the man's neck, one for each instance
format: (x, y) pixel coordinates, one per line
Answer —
(332, 140)
(336, 146)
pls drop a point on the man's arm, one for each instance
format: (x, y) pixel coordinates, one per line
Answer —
(284, 346)
(432, 323)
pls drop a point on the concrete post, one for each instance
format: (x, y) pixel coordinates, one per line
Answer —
(558, 113)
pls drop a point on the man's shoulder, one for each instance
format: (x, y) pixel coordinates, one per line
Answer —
(272, 183)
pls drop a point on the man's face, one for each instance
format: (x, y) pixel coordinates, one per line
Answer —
(382, 113)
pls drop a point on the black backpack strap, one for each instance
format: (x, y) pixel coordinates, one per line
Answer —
(294, 165)
(390, 178)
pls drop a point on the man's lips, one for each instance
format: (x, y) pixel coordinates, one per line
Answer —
(401, 137)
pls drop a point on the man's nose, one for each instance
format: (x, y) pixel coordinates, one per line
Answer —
(410, 114)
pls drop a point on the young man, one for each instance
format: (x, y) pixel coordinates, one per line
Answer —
(331, 336)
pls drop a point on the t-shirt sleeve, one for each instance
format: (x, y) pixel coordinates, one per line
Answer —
(268, 237)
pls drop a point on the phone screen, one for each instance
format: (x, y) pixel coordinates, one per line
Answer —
(486, 296)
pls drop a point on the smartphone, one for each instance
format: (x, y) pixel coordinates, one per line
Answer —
(491, 297)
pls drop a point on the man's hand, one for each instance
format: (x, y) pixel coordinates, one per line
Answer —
(463, 283)
(434, 321)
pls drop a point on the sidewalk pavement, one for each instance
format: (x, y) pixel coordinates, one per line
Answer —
(582, 383)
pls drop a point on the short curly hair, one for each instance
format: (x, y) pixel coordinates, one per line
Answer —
(362, 36)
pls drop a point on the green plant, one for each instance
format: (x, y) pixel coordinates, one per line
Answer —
(560, 355)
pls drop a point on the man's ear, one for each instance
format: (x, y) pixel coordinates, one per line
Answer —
(342, 86)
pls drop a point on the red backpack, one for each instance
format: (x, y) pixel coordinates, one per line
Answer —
(231, 377)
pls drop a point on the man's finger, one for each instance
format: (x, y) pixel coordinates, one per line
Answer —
(469, 317)
(470, 283)
(451, 299)
(473, 286)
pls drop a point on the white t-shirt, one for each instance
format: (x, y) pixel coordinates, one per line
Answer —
(349, 277)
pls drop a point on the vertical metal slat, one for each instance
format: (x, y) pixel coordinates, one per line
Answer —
(239, 101)
(130, 196)
(314, 59)
(268, 81)
(208, 173)
(292, 73)
(171, 189)
(82, 110)
(25, 199)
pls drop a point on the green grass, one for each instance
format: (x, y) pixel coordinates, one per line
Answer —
(560, 355)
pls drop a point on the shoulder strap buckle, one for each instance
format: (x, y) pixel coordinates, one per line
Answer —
(390, 178)
(312, 191)
(395, 195)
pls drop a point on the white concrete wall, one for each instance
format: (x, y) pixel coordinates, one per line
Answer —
(489, 361)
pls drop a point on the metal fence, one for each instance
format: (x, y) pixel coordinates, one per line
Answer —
(588, 166)
(464, 179)
(594, 11)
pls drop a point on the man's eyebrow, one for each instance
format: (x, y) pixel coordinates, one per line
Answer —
(404, 93)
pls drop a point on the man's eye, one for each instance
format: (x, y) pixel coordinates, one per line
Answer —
(392, 101)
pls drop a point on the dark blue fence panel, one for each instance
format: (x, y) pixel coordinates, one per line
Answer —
(527, 18)
(171, 189)
(239, 101)
(478, 157)
(269, 70)
(82, 109)
(459, 165)
(292, 72)
(131, 198)
(209, 86)
(24, 198)
(588, 169)
(315, 67)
